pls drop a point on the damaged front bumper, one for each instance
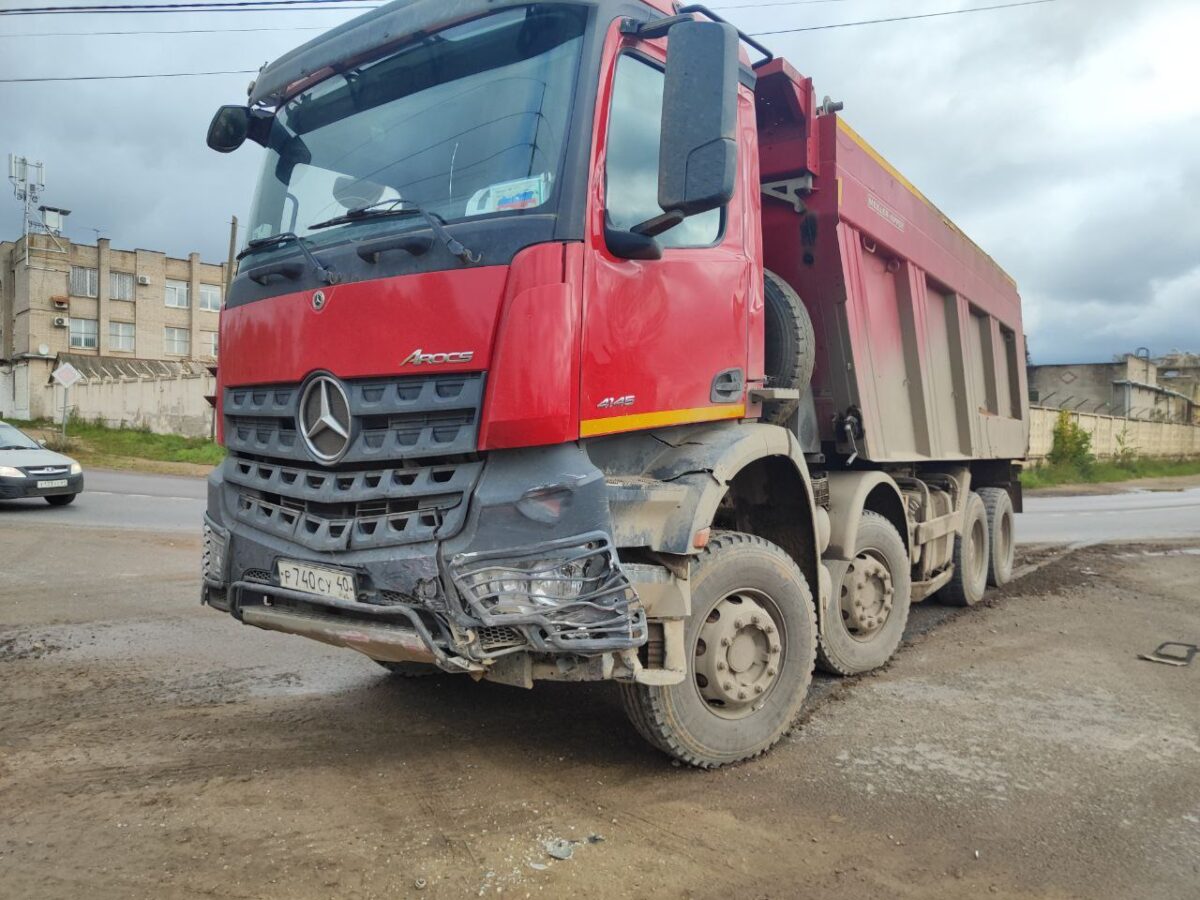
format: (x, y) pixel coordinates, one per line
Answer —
(506, 596)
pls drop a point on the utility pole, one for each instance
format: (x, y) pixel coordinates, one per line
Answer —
(232, 261)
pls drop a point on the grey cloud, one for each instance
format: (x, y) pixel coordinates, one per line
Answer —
(1004, 119)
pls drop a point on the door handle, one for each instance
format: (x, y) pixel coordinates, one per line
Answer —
(727, 386)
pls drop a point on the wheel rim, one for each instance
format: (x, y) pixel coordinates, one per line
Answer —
(978, 565)
(739, 653)
(867, 596)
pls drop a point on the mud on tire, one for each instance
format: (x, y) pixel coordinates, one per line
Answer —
(862, 627)
(971, 557)
(998, 507)
(748, 597)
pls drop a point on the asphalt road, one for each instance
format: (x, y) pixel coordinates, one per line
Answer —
(120, 500)
(171, 503)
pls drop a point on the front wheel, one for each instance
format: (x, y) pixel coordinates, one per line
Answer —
(751, 641)
(60, 499)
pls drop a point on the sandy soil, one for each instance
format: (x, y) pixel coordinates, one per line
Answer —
(149, 748)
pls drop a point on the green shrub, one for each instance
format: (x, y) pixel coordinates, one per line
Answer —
(1072, 445)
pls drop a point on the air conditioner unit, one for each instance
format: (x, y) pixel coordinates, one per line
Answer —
(143, 280)
(61, 321)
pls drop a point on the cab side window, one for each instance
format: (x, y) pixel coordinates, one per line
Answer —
(631, 168)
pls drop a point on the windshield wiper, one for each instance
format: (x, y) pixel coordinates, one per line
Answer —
(398, 209)
(325, 273)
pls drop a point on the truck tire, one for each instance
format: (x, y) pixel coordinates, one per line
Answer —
(864, 625)
(751, 641)
(790, 345)
(971, 557)
(409, 669)
(1001, 528)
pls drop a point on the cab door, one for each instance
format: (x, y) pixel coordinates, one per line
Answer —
(664, 340)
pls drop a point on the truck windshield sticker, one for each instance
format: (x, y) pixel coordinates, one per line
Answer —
(507, 196)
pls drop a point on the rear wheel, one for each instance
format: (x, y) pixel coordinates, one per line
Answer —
(864, 624)
(998, 507)
(751, 641)
(971, 555)
(61, 499)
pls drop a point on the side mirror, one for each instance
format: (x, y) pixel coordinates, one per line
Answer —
(697, 163)
(229, 128)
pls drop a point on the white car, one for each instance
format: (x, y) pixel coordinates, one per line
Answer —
(27, 469)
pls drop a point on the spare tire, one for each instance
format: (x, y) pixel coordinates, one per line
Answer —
(790, 344)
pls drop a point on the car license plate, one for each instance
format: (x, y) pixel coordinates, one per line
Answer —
(58, 482)
(317, 580)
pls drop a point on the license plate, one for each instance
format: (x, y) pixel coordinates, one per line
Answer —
(58, 482)
(317, 580)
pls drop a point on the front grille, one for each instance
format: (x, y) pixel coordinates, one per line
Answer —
(46, 471)
(328, 510)
(412, 417)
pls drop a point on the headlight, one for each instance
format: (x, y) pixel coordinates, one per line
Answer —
(10, 472)
(212, 564)
(76, 469)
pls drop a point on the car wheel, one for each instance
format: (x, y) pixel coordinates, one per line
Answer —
(61, 499)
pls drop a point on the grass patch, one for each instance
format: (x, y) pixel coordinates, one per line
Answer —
(92, 442)
(1101, 471)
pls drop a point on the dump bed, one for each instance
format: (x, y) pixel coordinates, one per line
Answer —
(919, 335)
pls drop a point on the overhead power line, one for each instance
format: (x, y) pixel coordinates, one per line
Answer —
(933, 15)
(953, 12)
(123, 77)
(221, 6)
(26, 34)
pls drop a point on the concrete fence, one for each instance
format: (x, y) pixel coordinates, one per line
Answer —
(1154, 439)
(161, 405)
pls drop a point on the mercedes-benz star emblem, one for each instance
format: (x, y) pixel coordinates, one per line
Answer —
(324, 419)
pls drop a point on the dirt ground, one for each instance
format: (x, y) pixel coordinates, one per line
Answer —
(150, 748)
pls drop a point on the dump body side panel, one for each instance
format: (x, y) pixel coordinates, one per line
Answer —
(918, 330)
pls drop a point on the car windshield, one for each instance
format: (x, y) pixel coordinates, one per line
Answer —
(13, 439)
(468, 121)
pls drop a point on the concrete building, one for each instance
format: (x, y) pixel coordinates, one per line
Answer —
(1180, 372)
(119, 308)
(1127, 388)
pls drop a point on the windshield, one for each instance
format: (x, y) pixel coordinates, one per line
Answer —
(469, 121)
(12, 439)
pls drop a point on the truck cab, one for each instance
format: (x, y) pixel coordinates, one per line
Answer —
(517, 381)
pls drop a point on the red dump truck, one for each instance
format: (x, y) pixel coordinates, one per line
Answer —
(578, 341)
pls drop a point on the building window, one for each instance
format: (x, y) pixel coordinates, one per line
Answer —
(83, 333)
(120, 285)
(85, 282)
(177, 294)
(177, 341)
(210, 343)
(120, 336)
(210, 297)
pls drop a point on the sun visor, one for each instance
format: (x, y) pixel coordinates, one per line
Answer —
(361, 38)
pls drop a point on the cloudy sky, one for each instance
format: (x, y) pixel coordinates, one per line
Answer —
(1063, 137)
